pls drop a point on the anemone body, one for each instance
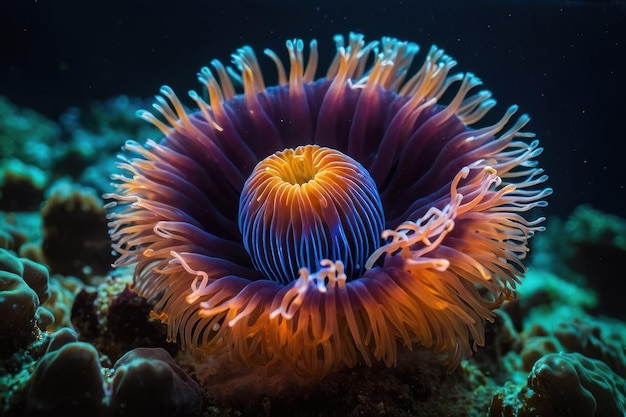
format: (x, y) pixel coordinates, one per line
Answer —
(321, 266)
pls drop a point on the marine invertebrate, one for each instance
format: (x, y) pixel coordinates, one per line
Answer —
(320, 223)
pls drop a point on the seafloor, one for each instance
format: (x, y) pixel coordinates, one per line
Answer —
(75, 341)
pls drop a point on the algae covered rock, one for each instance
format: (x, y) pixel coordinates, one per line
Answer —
(67, 382)
(71, 379)
(144, 372)
(23, 287)
(75, 235)
(564, 384)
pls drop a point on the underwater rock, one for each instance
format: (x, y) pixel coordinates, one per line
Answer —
(147, 381)
(418, 386)
(63, 291)
(18, 307)
(21, 186)
(68, 378)
(501, 338)
(20, 232)
(61, 338)
(566, 361)
(83, 138)
(93, 138)
(23, 287)
(603, 341)
(572, 384)
(99, 127)
(116, 320)
(128, 320)
(6, 239)
(84, 314)
(68, 382)
(37, 278)
(543, 290)
(553, 315)
(565, 384)
(538, 343)
(75, 234)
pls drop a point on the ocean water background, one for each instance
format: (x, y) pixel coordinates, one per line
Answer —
(563, 62)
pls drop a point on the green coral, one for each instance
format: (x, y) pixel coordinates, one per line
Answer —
(566, 244)
(564, 384)
(593, 226)
(27, 135)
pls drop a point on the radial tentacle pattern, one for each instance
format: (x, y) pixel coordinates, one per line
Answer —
(322, 222)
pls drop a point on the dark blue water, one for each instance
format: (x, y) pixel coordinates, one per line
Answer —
(561, 61)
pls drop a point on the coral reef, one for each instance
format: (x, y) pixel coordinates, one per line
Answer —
(27, 136)
(115, 319)
(63, 291)
(565, 384)
(23, 287)
(75, 236)
(67, 381)
(70, 380)
(588, 247)
(21, 186)
(563, 361)
(78, 341)
(141, 373)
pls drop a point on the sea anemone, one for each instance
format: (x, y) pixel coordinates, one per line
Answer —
(321, 223)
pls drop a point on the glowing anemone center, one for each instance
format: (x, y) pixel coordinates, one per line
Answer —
(298, 167)
(303, 205)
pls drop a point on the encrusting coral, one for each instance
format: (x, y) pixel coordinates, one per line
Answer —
(589, 248)
(563, 362)
(75, 236)
(115, 319)
(70, 380)
(23, 288)
(67, 381)
(143, 372)
(63, 292)
(51, 374)
(565, 384)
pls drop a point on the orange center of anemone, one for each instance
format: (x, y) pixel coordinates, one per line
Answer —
(301, 206)
(298, 167)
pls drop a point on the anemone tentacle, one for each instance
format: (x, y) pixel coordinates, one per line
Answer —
(413, 238)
